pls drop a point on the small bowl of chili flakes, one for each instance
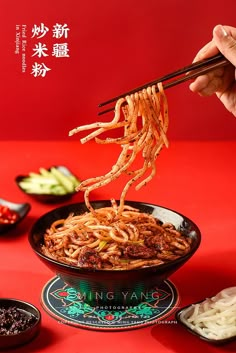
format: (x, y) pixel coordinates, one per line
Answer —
(20, 322)
(11, 214)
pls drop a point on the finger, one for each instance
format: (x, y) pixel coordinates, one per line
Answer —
(207, 51)
(224, 38)
(212, 87)
(199, 84)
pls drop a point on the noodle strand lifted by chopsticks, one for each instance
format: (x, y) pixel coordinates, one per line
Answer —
(145, 123)
(120, 237)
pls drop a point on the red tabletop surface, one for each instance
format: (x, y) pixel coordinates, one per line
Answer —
(196, 179)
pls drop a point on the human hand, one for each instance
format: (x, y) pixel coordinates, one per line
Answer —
(220, 81)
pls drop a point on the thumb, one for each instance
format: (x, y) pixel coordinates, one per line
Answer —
(225, 40)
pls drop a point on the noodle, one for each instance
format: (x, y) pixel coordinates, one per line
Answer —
(121, 237)
(108, 240)
(214, 318)
(147, 108)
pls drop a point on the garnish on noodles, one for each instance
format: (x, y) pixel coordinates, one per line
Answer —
(119, 236)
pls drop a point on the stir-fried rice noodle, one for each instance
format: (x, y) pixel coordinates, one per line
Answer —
(121, 237)
(144, 119)
(106, 240)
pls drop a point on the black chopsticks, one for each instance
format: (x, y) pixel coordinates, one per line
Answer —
(189, 72)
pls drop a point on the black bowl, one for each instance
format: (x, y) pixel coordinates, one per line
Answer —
(22, 210)
(94, 285)
(22, 337)
(48, 197)
(179, 315)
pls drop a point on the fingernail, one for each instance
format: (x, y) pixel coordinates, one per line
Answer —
(221, 31)
(224, 32)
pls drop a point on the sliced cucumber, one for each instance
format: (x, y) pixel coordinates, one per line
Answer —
(63, 180)
(51, 181)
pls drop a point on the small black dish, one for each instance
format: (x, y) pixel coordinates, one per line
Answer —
(179, 315)
(49, 197)
(22, 209)
(30, 330)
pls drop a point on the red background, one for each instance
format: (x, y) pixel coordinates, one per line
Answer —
(114, 46)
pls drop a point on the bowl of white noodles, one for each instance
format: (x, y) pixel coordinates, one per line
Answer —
(212, 319)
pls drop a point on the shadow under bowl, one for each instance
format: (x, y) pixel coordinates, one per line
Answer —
(22, 209)
(181, 313)
(25, 336)
(114, 287)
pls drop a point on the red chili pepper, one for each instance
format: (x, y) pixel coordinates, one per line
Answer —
(7, 215)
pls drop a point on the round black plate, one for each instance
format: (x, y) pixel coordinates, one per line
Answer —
(62, 302)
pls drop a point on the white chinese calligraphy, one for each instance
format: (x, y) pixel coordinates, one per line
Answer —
(40, 50)
(60, 50)
(39, 31)
(60, 30)
(39, 70)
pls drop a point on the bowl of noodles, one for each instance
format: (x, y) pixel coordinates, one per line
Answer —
(212, 319)
(114, 258)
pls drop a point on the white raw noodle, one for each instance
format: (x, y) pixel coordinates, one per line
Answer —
(215, 317)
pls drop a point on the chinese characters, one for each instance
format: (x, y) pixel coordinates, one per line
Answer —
(44, 44)
(39, 70)
(40, 50)
(58, 31)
